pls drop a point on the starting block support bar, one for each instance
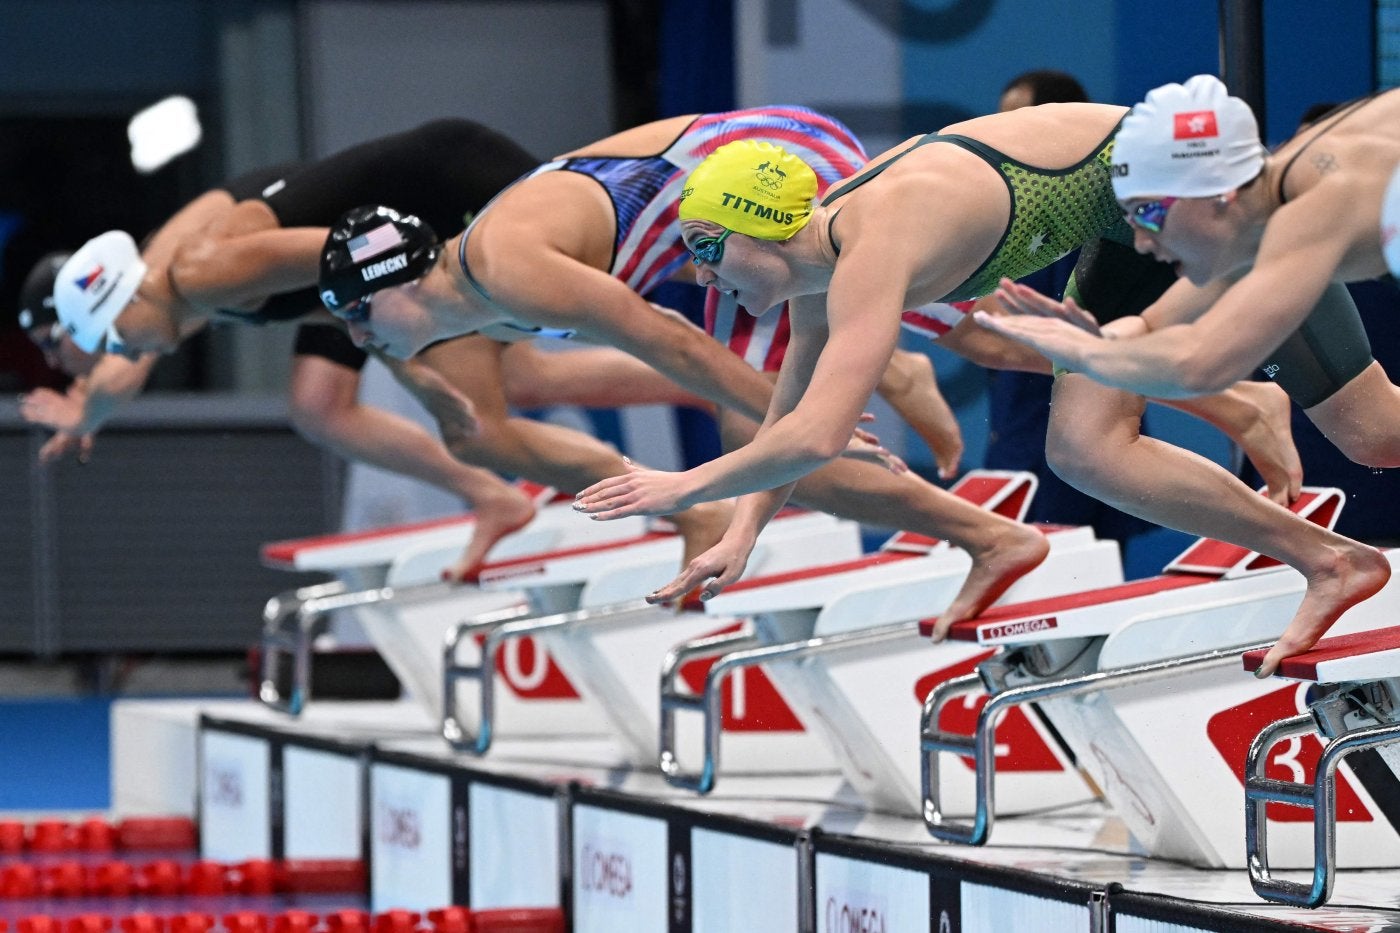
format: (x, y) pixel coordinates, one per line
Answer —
(673, 701)
(289, 623)
(981, 746)
(1320, 796)
(708, 703)
(528, 627)
(454, 731)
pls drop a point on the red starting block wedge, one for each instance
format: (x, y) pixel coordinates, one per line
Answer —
(1359, 656)
(282, 555)
(1004, 622)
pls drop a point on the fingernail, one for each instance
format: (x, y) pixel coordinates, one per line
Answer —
(705, 594)
(578, 506)
(1261, 674)
(627, 460)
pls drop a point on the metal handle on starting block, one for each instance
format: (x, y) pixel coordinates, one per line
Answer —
(1320, 796)
(454, 731)
(932, 742)
(981, 746)
(281, 640)
(497, 633)
(708, 703)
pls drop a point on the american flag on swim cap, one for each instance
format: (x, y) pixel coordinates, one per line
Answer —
(650, 249)
(370, 244)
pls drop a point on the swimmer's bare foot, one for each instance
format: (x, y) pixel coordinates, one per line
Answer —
(1357, 573)
(701, 526)
(1268, 440)
(1013, 555)
(496, 517)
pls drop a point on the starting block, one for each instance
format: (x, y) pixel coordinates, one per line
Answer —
(1355, 704)
(840, 643)
(384, 570)
(605, 638)
(1140, 681)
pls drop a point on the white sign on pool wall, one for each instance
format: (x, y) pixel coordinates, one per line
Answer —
(235, 816)
(515, 848)
(410, 838)
(859, 895)
(740, 883)
(320, 804)
(620, 871)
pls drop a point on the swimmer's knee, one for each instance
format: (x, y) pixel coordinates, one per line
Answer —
(311, 414)
(1376, 452)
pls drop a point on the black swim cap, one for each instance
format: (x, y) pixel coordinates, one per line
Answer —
(36, 308)
(370, 248)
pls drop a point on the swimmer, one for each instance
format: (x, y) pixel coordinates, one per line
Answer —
(941, 218)
(571, 248)
(249, 254)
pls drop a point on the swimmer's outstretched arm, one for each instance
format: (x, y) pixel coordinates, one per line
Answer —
(1292, 268)
(839, 349)
(554, 290)
(724, 563)
(78, 413)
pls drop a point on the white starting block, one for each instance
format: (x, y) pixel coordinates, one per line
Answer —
(608, 641)
(1142, 682)
(1359, 713)
(841, 643)
(391, 568)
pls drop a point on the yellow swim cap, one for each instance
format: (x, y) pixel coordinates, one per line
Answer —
(754, 188)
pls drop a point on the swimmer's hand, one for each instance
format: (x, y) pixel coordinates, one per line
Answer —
(1023, 301)
(864, 445)
(1065, 344)
(63, 445)
(639, 491)
(713, 570)
(63, 413)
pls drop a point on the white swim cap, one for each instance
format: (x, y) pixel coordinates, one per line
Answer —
(1390, 224)
(95, 285)
(1189, 140)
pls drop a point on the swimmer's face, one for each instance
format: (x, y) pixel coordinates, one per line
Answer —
(397, 323)
(60, 352)
(1190, 233)
(741, 269)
